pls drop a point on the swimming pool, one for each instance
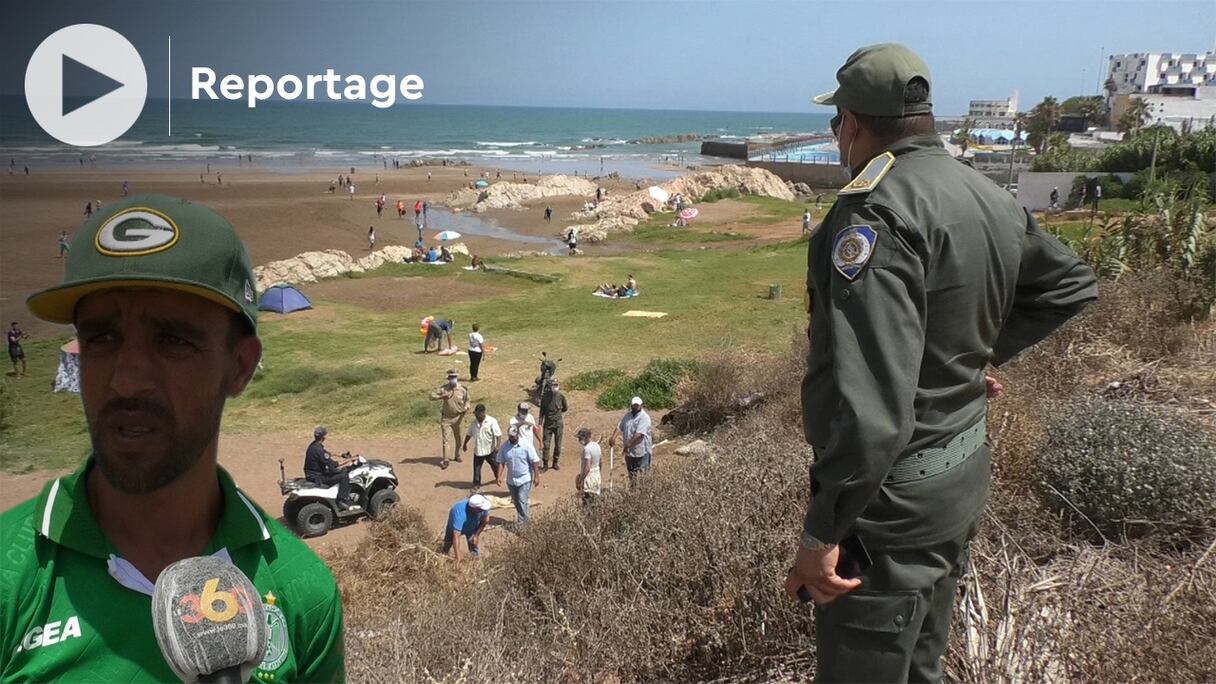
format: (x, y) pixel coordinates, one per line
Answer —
(818, 153)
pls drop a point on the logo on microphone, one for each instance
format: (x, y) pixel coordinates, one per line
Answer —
(214, 605)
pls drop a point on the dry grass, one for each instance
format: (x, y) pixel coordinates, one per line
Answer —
(680, 580)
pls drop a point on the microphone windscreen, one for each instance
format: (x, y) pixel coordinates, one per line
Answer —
(208, 617)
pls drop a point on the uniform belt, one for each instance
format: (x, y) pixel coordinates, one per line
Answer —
(937, 460)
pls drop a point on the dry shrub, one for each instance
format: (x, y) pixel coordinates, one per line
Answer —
(681, 579)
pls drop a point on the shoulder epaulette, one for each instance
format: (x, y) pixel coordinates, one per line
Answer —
(869, 177)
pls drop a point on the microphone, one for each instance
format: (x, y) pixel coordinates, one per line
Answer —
(209, 621)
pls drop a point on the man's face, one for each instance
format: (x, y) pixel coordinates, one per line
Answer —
(479, 415)
(635, 409)
(155, 369)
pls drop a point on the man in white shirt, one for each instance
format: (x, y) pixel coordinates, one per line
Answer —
(526, 424)
(486, 433)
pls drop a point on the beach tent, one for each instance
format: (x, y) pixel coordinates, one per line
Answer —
(67, 378)
(283, 299)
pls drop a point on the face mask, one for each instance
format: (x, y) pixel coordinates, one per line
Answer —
(452, 382)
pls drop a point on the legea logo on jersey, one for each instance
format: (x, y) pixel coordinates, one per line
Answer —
(136, 232)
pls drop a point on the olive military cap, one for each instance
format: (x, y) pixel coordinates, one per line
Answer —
(154, 241)
(873, 79)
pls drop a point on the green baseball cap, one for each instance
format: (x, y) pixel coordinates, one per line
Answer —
(873, 79)
(153, 241)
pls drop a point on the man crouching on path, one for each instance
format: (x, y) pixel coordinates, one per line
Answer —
(161, 293)
(922, 274)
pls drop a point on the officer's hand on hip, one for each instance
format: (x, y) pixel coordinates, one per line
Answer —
(816, 570)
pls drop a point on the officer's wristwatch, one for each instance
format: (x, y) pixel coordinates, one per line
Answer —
(810, 543)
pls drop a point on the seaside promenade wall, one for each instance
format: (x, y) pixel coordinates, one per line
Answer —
(814, 175)
(721, 149)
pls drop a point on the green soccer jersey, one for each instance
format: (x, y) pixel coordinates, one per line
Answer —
(71, 609)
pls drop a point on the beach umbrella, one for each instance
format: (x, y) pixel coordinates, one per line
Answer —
(689, 213)
(482, 184)
(659, 194)
(447, 235)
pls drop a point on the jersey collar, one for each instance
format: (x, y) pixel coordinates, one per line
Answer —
(62, 515)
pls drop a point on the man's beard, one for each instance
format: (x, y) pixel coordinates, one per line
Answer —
(183, 447)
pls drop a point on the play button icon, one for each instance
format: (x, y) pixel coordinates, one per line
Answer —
(82, 80)
(85, 85)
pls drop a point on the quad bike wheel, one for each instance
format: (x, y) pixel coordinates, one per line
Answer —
(382, 503)
(314, 519)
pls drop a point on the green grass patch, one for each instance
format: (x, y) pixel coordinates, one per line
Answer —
(1119, 205)
(721, 194)
(768, 210)
(655, 385)
(1068, 231)
(595, 379)
(359, 371)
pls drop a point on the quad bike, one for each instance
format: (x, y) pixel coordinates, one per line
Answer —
(311, 509)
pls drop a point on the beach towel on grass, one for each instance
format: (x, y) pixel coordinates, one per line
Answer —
(644, 314)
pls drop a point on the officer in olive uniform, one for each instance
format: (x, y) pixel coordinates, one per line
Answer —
(922, 274)
(552, 406)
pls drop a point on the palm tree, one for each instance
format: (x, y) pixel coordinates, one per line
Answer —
(1041, 121)
(1135, 116)
(963, 134)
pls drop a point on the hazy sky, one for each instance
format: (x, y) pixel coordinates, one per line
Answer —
(748, 55)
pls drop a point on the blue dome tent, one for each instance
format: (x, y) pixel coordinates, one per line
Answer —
(283, 299)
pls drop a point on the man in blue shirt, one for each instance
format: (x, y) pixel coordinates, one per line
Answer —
(519, 469)
(468, 517)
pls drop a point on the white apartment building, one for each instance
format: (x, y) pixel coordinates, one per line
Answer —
(1179, 87)
(994, 113)
(1153, 72)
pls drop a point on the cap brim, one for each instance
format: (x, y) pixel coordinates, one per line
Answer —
(827, 99)
(58, 304)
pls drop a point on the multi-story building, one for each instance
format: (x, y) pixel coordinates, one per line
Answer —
(1155, 72)
(1179, 88)
(994, 113)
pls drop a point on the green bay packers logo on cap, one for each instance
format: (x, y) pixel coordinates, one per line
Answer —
(137, 231)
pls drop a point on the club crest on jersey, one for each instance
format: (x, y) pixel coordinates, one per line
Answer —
(137, 231)
(276, 640)
(853, 248)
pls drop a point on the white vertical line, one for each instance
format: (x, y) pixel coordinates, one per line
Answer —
(170, 77)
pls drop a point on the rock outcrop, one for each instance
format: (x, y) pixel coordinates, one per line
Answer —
(310, 267)
(503, 195)
(622, 213)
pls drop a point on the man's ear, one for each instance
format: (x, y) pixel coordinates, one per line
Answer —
(246, 354)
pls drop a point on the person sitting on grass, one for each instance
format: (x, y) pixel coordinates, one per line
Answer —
(467, 518)
(445, 255)
(477, 263)
(607, 289)
(432, 256)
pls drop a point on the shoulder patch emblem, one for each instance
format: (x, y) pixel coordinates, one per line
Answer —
(870, 175)
(852, 250)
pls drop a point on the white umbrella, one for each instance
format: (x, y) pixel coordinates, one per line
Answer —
(659, 194)
(447, 235)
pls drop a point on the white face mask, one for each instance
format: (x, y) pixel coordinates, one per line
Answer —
(452, 382)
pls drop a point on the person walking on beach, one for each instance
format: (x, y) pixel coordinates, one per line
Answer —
(922, 274)
(425, 205)
(219, 179)
(552, 407)
(380, 205)
(572, 242)
(371, 238)
(125, 188)
(806, 221)
(88, 210)
(455, 398)
(428, 176)
(517, 469)
(64, 243)
(487, 436)
(636, 440)
(418, 211)
(588, 480)
(548, 214)
(350, 189)
(15, 352)
(476, 349)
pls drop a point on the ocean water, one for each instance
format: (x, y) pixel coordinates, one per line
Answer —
(310, 135)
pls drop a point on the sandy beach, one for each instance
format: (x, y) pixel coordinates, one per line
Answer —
(278, 213)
